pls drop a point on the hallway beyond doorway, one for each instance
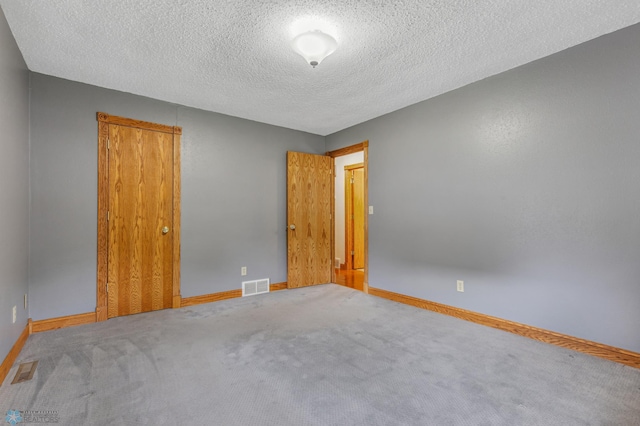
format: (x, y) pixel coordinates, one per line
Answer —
(350, 278)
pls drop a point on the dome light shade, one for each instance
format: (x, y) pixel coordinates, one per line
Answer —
(314, 46)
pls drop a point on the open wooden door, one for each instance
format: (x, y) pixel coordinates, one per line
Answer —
(309, 242)
(358, 218)
(354, 216)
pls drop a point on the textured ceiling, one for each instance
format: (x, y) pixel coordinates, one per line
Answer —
(234, 56)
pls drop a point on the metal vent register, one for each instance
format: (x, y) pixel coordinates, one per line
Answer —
(250, 288)
(25, 372)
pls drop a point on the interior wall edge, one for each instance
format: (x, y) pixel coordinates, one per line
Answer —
(14, 188)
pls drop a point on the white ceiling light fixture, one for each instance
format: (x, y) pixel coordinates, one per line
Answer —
(314, 46)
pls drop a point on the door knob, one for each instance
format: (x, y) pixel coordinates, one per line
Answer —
(292, 227)
(165, 230)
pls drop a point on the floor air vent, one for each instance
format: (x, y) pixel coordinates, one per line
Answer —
(250, 288)
(25, 372)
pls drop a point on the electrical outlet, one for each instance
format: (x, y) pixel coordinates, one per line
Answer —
(243, 270)
(15, 314)
(370, 209)
(460, 286)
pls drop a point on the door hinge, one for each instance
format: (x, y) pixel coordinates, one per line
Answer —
(107, 215)
(351, 181)
(108, 143)
(107, 287)
(353, 253)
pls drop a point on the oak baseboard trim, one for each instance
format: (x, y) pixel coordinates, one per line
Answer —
(600, 350)
(208, 298)
(90, 317)
(13, 354)
(62, 322)
(278, 286)
(223, 295)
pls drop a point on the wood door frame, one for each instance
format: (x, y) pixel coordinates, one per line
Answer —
(359, 147)
(104, 120)
(349, 238)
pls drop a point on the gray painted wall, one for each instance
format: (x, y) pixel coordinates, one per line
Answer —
(14, 187)
(526, 186)
(233, 193)
(234, 201)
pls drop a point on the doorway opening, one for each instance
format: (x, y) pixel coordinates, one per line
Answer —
(350, 216)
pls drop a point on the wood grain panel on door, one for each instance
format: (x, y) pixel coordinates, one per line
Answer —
(140, 254)
(358, 218)
(354, 192)
(309, 250)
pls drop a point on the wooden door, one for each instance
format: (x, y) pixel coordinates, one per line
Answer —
(358, 218)
(139, 199)
(309, 250)
(354, 226)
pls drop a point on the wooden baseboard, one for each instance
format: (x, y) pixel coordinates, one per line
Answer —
(610, 353)
(208, 298)
(278, 286)
(62, 322)
(13, 354)
(224, 295)
(91, 317)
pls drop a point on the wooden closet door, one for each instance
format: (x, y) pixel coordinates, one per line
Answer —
(140, 228)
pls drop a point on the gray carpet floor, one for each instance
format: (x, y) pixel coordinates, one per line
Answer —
(325, 355)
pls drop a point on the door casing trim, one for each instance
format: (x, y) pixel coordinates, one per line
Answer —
(104, 120)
